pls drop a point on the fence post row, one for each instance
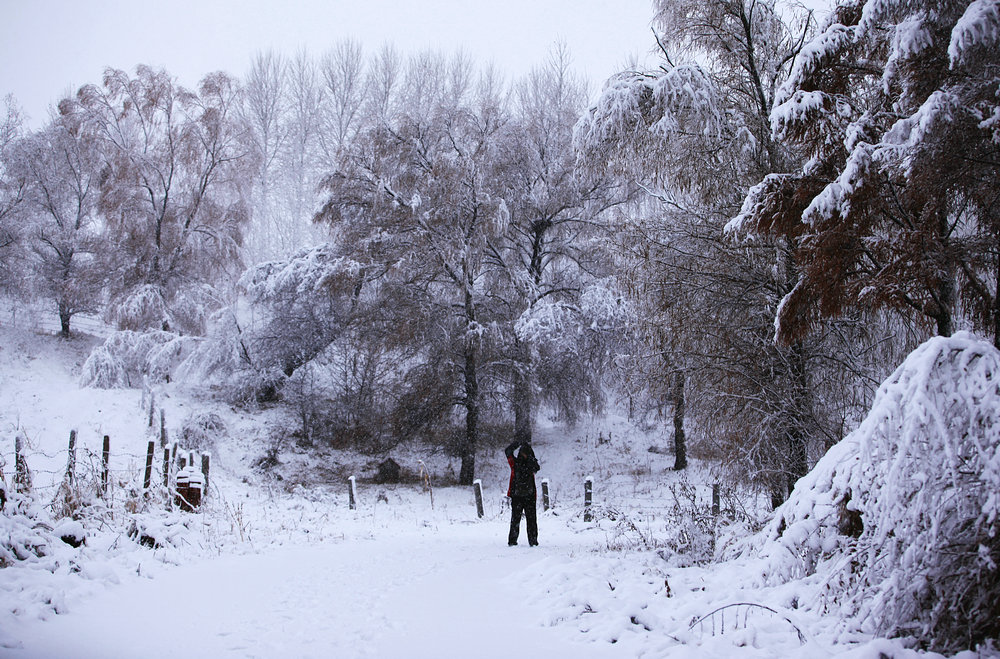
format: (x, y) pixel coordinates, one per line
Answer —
(588, 499)
(477, 488)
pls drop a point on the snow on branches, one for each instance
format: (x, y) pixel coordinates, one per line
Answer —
(894, 109)
(311, 271)
(976, 33)
(900, 520)
(126, 356)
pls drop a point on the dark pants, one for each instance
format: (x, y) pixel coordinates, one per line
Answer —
(527, 506)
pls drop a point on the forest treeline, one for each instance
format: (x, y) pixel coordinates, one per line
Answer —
(740, 243)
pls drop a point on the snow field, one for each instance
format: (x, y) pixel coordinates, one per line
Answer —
(277, 565)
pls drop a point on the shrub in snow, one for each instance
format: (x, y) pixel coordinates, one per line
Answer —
(141, 308)
(163, 360)
(71, 532)
(21, 538)
(900, 518)
(102, 370)
(69, 499)
(22, 535)
(126, 356)
(159, 530)
(201, 431)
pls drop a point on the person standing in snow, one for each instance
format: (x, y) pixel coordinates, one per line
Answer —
(522, 491)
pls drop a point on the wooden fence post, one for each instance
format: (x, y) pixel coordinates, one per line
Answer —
(152, 407)
(477, 487)
(163, 428)
(22, 475)
(166, 468)
(715, 499)
(147, 478)
(352, 493)
(206, 463)
(545, 494)
(105, 459)
(71, 461)
(588, 499)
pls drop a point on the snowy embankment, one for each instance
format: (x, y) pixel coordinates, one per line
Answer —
(282, 567)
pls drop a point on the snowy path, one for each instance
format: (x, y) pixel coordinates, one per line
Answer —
(450, 593)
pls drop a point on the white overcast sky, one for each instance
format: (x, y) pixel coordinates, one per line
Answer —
(51, 47)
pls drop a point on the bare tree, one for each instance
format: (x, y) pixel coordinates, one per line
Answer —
(345, 84)
(263, 111)
(385, 80)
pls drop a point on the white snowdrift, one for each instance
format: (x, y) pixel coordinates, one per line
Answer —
(899, 520)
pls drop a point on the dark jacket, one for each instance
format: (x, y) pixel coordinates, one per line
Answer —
(522, 470)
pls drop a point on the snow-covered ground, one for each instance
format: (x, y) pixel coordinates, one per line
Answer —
(278, 565)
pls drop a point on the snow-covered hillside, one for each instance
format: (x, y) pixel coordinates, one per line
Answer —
(277, 564)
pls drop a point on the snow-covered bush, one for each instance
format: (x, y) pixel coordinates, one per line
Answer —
(141, 308)
(126, 356)
(901, 517)
(160, 530)
(103, 370)
(21, 537)
(162, 361)
(201, 431)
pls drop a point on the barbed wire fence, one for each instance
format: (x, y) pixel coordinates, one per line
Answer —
(167, 474)
(42, 318)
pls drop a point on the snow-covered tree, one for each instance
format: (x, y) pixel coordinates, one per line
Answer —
(416, 195)
(173, 199)
(300, 306)
(549, 244)
(695, 135)
(11, 192)
(61, 168)
(894, 108)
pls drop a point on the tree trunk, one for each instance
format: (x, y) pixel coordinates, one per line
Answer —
(523, 395)
(945, 292)
(64, 317)
(467, 472)
(798, 465)
(680, 442)
(996, 304)
(798, 459)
